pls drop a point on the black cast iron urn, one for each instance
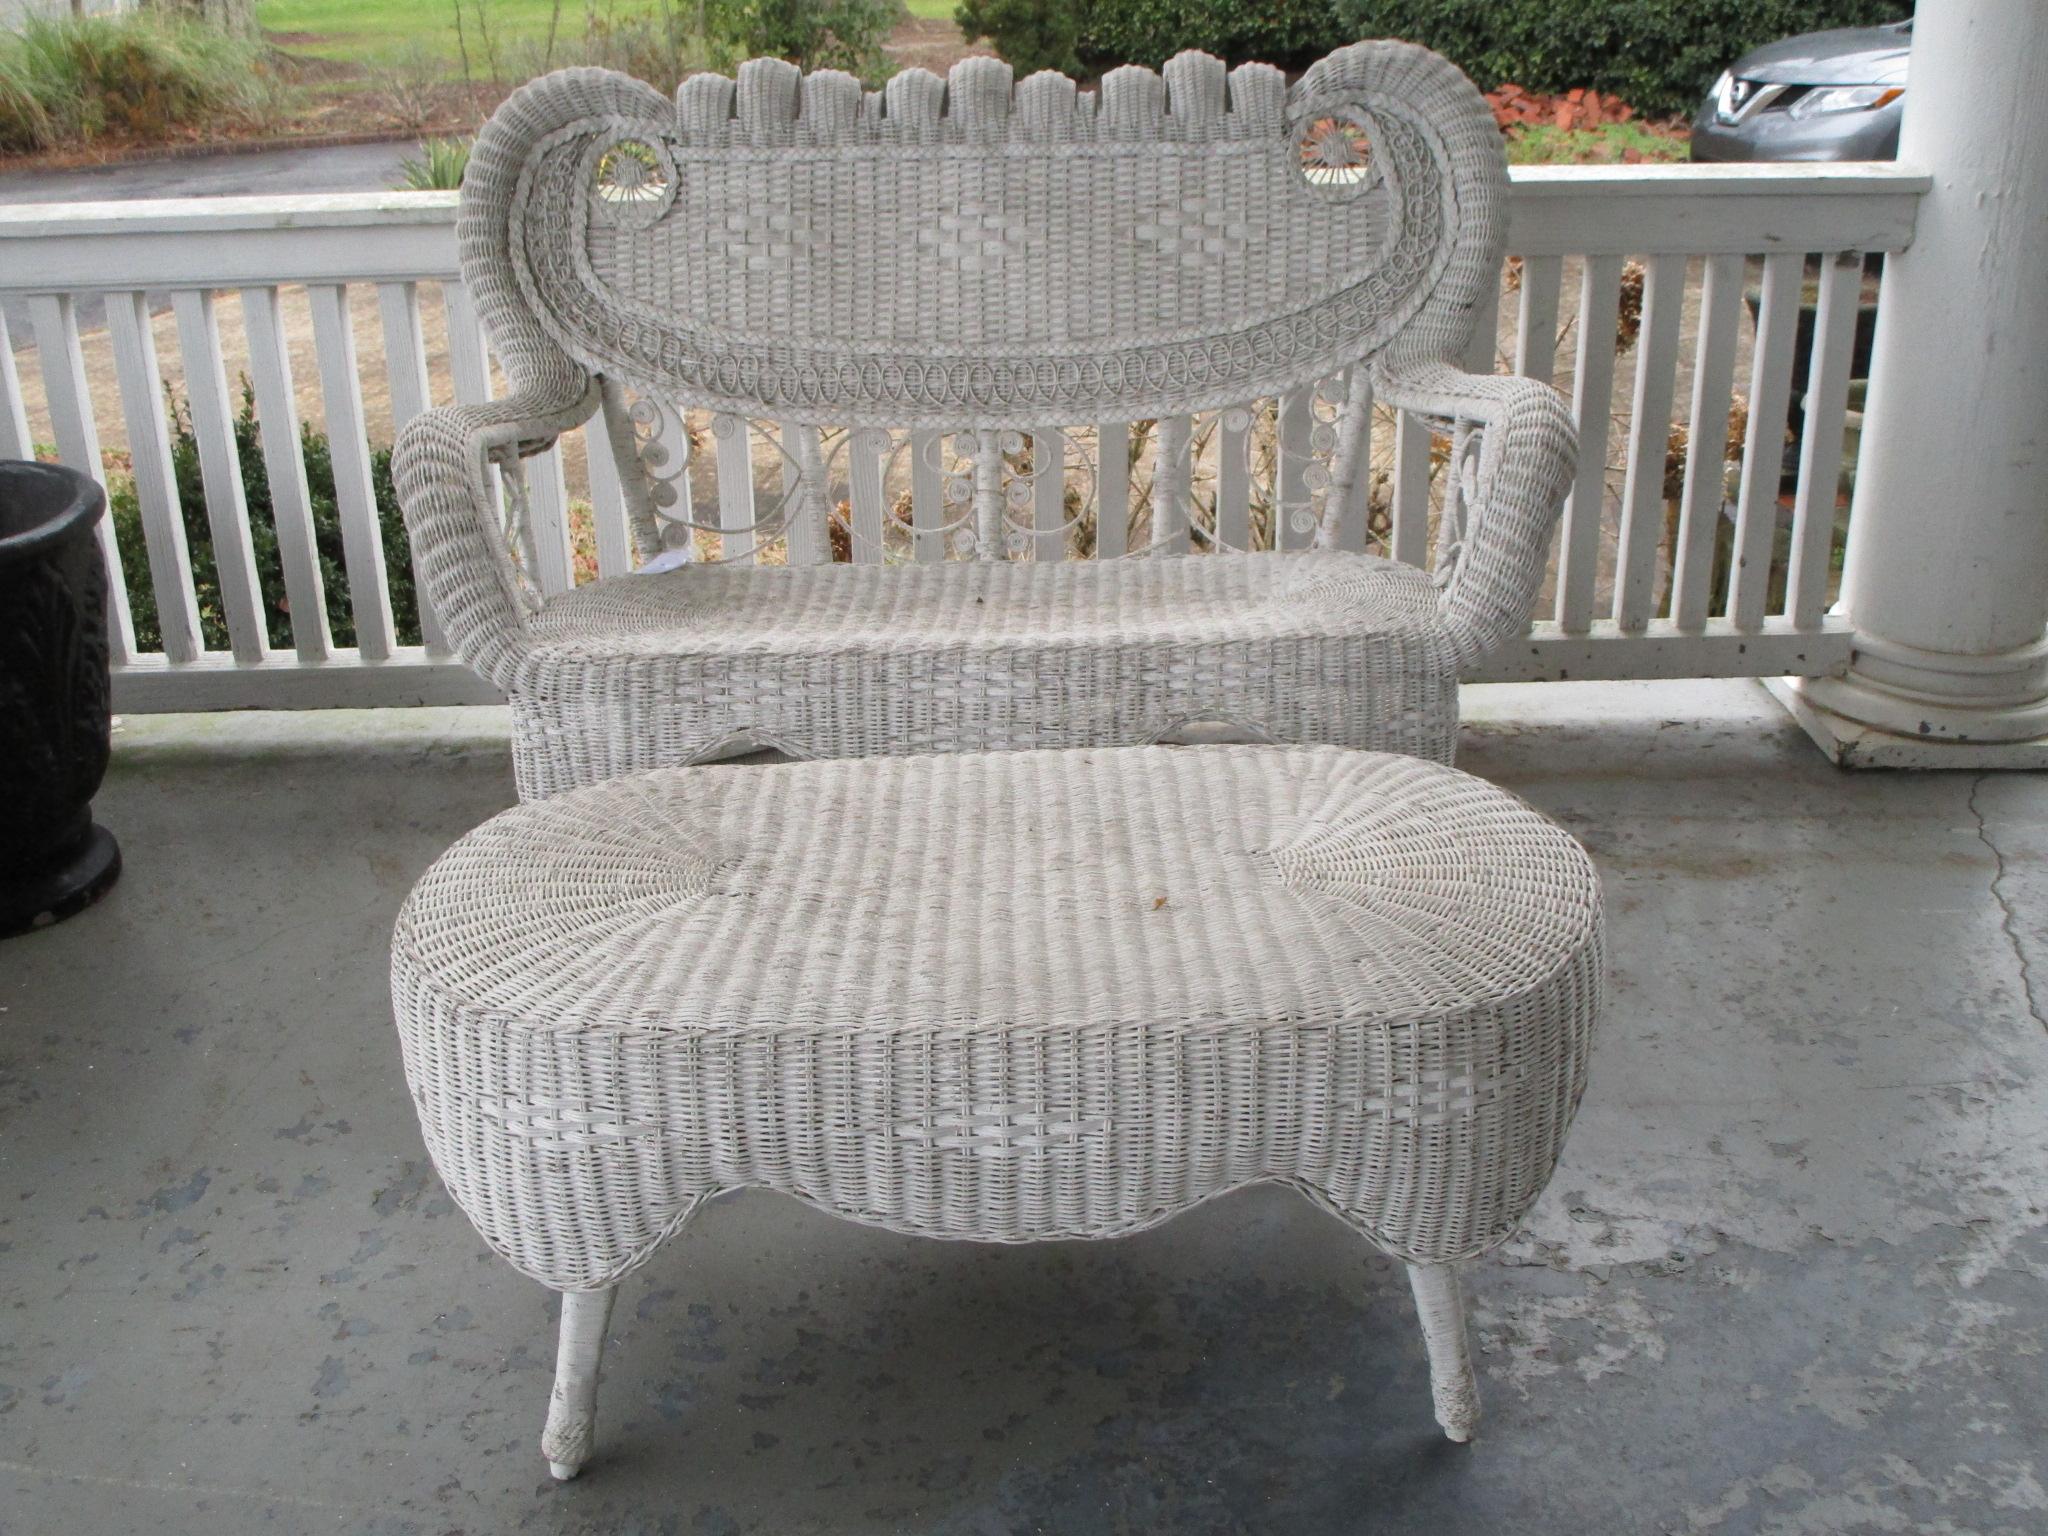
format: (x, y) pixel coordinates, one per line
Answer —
(54, 713)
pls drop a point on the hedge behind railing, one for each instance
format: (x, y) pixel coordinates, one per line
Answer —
(1660, 56)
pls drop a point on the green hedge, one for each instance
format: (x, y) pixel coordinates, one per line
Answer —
(1085, 37)
(1031, 34)
(126, 512)
(1658, 55)
(1285, 32)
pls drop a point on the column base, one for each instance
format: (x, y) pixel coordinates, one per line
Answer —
(1837, 712)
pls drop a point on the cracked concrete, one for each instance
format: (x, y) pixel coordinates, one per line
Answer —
(2005, 906)
(1789, 1278)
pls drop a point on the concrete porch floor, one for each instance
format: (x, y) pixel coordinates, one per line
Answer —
(1789, 1278)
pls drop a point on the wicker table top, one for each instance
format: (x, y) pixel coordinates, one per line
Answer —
(1032, 889)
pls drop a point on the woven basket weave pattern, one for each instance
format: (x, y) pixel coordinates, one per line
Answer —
(986, 255)
(1002, 997)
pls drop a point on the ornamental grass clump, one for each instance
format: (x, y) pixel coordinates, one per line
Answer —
(70, 81)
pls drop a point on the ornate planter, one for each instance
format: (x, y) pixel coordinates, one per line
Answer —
(54, 712)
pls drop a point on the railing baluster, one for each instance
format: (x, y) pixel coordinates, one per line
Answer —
(1172, 478)
(735, 457)
(1706, 442)
(284, 465)
(1112, 489)
(1234, 477)
(405, 352)
(1293, 452)
(220, 472)
(1593, 406)
(804, 500)
(15, 441)
(1411, 488)
(547, 508)
(362, 539)
(607, 492)
(469, 360)
(1482, 356)
(405, 363)
(156, 482)
(1642, 496)
(865, 448)
(1536, 317)
(469, 363)
(1354, 526)
(1049, 493)
(1763, 449)
(55, 322)
(1820, 449)
(927, 495)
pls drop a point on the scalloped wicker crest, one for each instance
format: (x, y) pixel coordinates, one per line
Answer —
(964, 253)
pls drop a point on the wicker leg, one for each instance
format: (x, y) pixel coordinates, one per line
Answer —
(572, 1407)
(1442, 1310)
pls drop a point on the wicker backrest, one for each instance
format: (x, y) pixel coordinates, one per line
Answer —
(965, 253)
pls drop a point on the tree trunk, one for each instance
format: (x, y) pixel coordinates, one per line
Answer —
(237, 16)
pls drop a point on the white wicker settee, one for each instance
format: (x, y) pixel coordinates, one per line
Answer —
(968, 258)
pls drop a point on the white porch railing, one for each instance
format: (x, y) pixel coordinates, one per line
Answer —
(1676, 556)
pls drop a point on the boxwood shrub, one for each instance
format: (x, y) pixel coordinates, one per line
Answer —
(1660, 56)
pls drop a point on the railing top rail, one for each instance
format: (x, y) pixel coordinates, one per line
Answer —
(345, 210)
(1848, 178)
(217, 215)
(1555, 210)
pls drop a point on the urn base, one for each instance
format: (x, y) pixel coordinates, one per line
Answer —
(64, 887)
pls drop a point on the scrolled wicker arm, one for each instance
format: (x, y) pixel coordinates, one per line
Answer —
(441, 470)
(1528, 446)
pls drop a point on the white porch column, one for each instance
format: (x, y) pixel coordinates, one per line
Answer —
(1947, 577)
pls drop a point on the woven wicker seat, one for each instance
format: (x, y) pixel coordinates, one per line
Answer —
(1368, 976)
(854, 661)
(976, 262)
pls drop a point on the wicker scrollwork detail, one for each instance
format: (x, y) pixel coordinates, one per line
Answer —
(664, 448)
(632, 180)
(1336, 151)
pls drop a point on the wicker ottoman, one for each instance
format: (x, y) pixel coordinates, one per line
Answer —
(1004, 997)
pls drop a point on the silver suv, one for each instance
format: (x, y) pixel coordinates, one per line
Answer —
(1824, 96)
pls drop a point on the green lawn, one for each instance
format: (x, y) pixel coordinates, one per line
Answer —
(369, 29)
(357, 30)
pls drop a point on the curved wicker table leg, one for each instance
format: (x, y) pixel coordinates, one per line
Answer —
(1441, 1306)
(572, 1407)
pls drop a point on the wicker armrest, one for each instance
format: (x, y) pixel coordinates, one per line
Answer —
(441, 470)
(1528, 446)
